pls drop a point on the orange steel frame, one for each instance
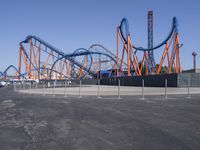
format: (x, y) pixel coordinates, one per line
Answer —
(81, 72)
(171, 52)
(131, 61)
(31, 63)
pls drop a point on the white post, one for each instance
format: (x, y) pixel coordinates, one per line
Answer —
(142, 89)
(22, 86)
(30, 88)
(118, 88)
(80, 89)
(65, 93)
(98, 94)
(54, 88)
(14, 86)
(18, 87)
(43, 88)
(189, 89)
(165, 88)
(36, 85)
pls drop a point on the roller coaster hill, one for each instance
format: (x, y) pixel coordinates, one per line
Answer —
(39, 60)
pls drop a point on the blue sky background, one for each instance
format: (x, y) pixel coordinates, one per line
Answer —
(69, 25)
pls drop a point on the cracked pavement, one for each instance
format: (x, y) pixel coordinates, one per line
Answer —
(30, 122)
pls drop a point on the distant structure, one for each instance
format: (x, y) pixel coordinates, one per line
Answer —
(194, 54)
(39, 60)
(150, 38)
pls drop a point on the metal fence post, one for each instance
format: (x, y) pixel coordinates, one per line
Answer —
(118, 88)
(43, 88)
(14, 87)
(98, 93)
(80, 88)
(20, 87)
(165, 88)
(54, 88)
(142, 89)
(65, 95)
(17, 88)
(30, 88)
(188, 89)
(24, 86)
(17, 84)
(36, 86)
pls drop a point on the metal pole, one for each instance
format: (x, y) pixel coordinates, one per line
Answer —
(36, 88)
(17, 88)
(30, 88)
(43, 88)
(118, 88)
(189, 89)
(54, 88)
(142, 89)
(14, 86)
(24, 86)
(80, 89)
(165, 88)
(98, 94)
(20, 87)
(65, 93)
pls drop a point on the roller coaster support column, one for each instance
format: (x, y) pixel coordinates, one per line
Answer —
(175, 55)
(20, 60)
(128, 57)
(116, 67)
(35, 63)
(22, 56)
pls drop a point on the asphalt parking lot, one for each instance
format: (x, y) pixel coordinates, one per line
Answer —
(36, 122)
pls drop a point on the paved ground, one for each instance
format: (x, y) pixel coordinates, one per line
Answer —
(33, 122)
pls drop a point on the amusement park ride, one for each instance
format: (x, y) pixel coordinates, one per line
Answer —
(40, 60)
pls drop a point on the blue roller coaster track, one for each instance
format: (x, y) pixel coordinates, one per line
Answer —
(4, 73)
(71, 57)
(124, 30)
(82, 52)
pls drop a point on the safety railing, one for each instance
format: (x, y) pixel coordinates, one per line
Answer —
(78, 89)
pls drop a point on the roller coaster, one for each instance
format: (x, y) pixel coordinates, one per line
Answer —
(129, 52)
(39, 60)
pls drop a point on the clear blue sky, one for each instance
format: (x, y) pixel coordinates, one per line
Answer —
(69, 25)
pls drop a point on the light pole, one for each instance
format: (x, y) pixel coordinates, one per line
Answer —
(194, 54)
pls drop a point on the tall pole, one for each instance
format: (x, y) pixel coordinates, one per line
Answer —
(117, 53)
(194, 54)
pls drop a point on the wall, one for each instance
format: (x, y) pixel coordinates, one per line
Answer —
(151, 80)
